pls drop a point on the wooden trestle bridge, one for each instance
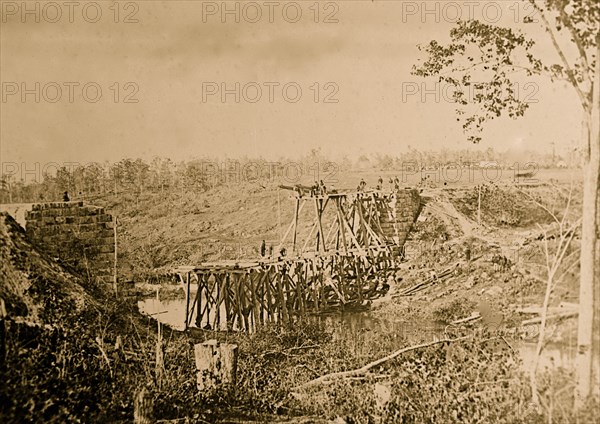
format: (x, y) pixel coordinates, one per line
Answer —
(349, 256)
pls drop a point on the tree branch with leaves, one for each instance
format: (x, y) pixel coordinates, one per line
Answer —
(496, 57)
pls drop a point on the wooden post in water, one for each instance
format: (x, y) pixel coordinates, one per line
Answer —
(143, 406)
(216, 364)
(187, 301)
(160, 354)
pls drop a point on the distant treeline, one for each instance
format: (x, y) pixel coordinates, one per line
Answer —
(35, 182)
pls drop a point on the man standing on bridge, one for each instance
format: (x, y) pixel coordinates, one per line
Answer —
(263, 249)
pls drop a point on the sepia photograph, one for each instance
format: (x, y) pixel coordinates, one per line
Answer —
(308, 211)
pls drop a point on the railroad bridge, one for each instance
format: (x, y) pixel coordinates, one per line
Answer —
(347, 257)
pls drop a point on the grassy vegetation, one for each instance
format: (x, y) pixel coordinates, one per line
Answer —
(72, 352)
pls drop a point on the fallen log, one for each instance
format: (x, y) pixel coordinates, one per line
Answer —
(424, 284)
(563, 307)
(471, 317)
(364, 369)
(549, 317)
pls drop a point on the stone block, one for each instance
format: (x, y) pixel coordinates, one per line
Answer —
(106, 233)
(86, 219)
(110, 241)
(107, 248)
(104, 218)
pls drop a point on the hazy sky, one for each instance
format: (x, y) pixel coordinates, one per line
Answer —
(178, 53)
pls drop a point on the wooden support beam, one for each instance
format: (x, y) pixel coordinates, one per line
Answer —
(341, 221)
(289, 227)
(319, 212)
(350, 232)
(312, 229)
(228, 302)
(296, 213)
(187, 302)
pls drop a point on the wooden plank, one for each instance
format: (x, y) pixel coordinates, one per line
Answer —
(238, 298)
(289, 229)
(263, 308)
(301, 286)
(320, 233)
(312, 229)
(228, 316)
(351, 233)
(341, 225)
(187, 302)
(296, 213)
(359, 282)
(201, 283)
(254, 281)
(244, 291)
(217, 320)
(268, 295)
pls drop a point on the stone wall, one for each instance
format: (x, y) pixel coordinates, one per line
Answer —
(81, 236)
(399, 215)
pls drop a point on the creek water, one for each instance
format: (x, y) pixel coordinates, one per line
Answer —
(172, 313)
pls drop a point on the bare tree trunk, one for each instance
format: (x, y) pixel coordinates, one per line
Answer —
(540, 343)
(479, 206)
(116, 259)
(589, 236)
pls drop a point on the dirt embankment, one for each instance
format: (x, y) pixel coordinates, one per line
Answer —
(69, 352)
(35, 288)
(457, 268)
(160, 231)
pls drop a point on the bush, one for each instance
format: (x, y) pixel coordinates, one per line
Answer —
(502, 207)
(453, 310)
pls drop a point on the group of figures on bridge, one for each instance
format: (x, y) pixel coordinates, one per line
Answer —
(347, 258)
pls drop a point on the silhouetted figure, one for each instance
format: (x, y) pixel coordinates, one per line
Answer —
(282, 252)
(314, 189)
(468, 258)
(380, 181)
(322, 187)
(66, 197)
(263, 249)
(362, 185)
(271, 251)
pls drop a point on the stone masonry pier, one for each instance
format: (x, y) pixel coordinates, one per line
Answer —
(82, 236)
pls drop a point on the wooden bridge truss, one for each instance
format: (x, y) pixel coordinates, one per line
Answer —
(346, 259)
(345, 223)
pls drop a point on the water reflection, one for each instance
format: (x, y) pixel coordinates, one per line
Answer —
(345, 325)
(170, 312)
